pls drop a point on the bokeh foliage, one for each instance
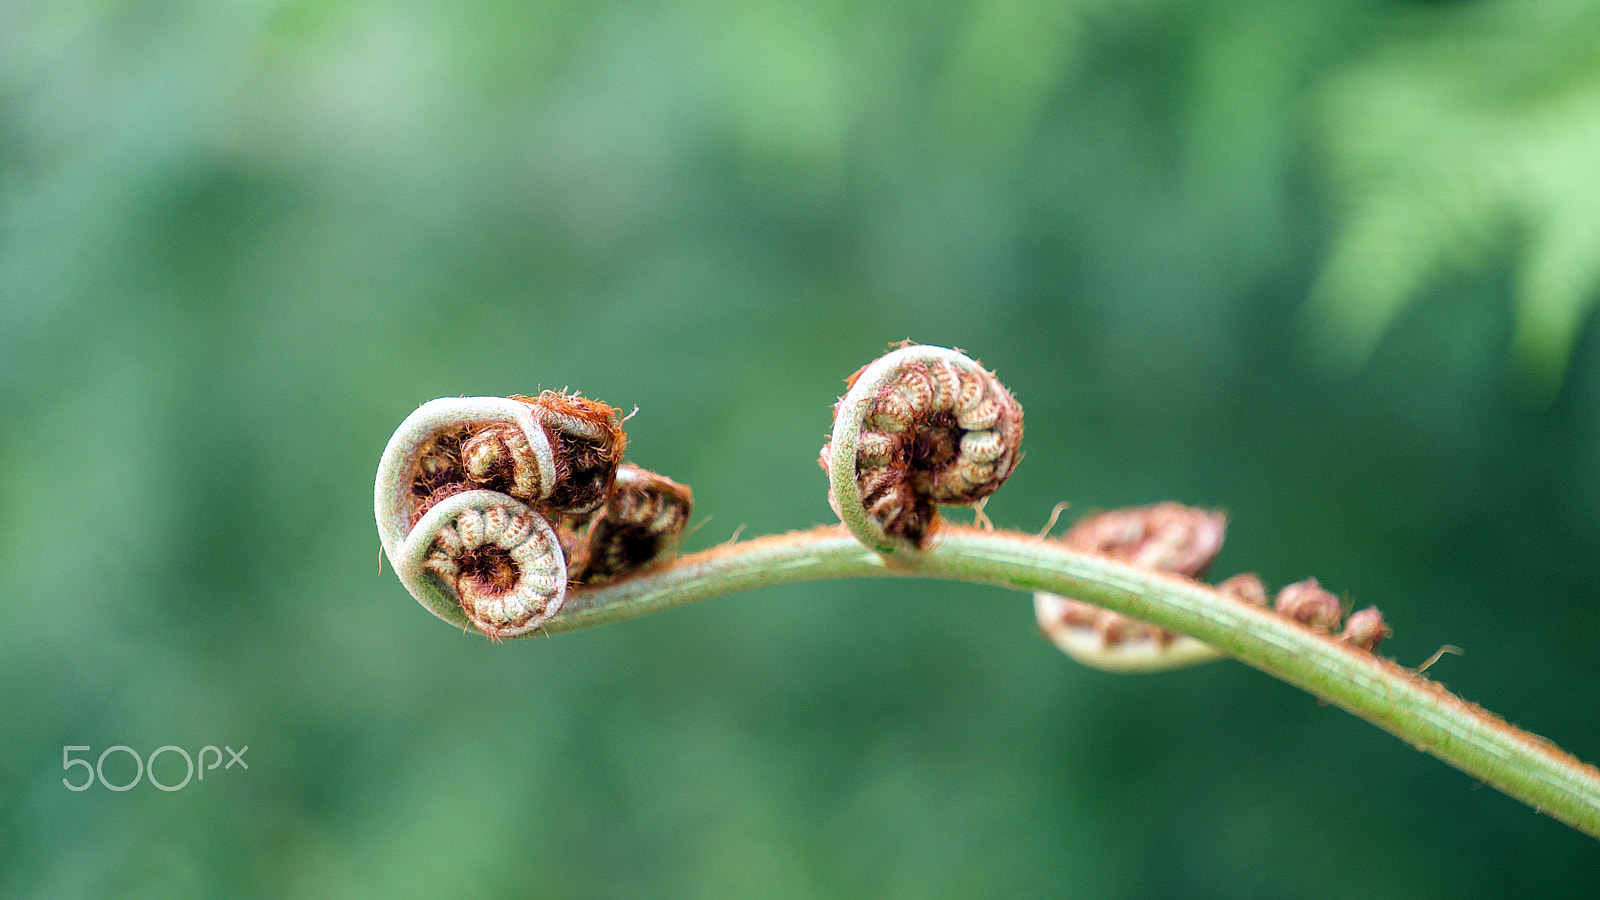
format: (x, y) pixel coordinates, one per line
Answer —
(240, 241)
(1467, 140)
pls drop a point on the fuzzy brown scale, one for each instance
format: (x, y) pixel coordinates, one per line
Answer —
(586, 452)
(425, 503)
(584, 470)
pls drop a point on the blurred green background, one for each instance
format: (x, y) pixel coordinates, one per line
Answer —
(1328, 265)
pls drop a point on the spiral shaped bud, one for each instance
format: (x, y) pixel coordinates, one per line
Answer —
(499, 457)
(920, 427)
(503, 562)
(640, 523)
(470, 492)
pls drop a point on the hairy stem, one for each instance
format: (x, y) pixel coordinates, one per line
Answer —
(1413, 708)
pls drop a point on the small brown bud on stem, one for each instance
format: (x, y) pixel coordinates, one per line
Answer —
(1309, 604)
(1366, 629)
(1245, 586)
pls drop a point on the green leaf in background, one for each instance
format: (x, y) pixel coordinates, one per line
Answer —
(1469, 136)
